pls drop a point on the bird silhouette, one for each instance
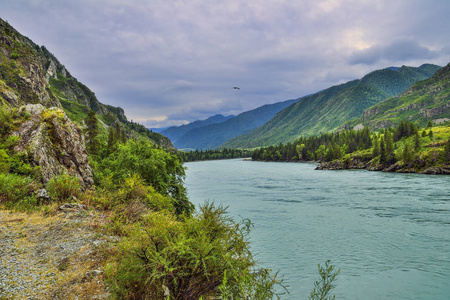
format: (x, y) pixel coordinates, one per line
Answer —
(236, 88)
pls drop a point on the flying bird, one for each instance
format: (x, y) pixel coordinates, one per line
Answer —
(236, 88)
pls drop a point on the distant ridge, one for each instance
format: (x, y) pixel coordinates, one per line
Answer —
(330, 108)
(175, 132)
(213, 135)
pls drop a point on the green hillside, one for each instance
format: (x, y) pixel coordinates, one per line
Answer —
(427, 100)
(30, 74)
(330, 108)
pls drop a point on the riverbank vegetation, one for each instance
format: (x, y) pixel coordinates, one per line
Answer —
(165, 248)
(405, 148)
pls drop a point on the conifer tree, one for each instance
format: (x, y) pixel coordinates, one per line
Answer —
(446, 152)
(389, 147)
(92, 131)
(416, 142)
(382, 152)
(376, 147)
(406, 155)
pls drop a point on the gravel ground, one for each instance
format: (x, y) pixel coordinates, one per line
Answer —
(53, 257)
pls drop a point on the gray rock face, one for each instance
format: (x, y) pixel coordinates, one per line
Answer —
(54, 143)
(51, 71)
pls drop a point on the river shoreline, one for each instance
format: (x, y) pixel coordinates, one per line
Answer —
(356, 164)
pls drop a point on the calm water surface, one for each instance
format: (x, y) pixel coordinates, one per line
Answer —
(388, 233)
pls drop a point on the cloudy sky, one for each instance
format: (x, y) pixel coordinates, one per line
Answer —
(171, 62)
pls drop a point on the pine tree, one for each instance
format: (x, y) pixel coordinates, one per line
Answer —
(92, 131)
(389, 147)
(446, 152)
(406, 155)
(416, 142)
(111, 142)
(424, 133)
(376, 147)
(382, 152)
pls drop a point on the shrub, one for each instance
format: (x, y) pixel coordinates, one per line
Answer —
(4, 161)
(14, 188)
(63, 187)
(157, 168)
(324, 286)
(202, 256)
(7, 116)
(14, 54)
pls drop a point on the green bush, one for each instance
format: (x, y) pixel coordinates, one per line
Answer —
(4, 161)
(14, 54)
(133, 188)
(7, 116)
(63, 187)
(204, 255)
(157, 168)
(14, 188)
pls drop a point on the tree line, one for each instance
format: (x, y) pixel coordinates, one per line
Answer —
(386, 147)
(197, 155)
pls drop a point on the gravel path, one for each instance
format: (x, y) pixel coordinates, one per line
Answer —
(51, 257)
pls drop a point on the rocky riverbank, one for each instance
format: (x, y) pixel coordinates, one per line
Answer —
(413, 167)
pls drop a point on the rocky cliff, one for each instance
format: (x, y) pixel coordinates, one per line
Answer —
(53, 143)
(22, 75)
(30, 74)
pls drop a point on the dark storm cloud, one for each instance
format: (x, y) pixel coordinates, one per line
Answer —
(173, 61)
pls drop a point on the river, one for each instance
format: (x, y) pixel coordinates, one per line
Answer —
(388, 233)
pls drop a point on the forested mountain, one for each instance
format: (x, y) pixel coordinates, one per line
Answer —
(175, 132)
(212, 136)
(330, 108)
(30, 74)
(424, 101)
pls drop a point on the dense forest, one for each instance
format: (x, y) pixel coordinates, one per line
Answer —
(406, 146)
(197, 155)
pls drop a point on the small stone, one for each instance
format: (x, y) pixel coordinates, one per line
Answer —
(42, 195)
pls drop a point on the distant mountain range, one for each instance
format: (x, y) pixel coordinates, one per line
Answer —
(175, 132)
(213, 135)
(332, 107)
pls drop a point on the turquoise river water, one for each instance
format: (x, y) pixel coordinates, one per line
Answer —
(388, 233)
